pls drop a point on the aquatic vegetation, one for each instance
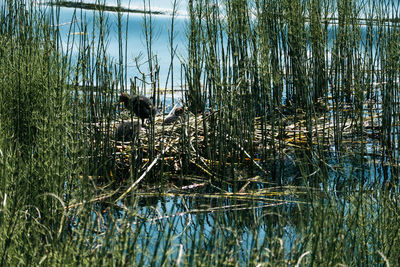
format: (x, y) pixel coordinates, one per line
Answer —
(285, 152)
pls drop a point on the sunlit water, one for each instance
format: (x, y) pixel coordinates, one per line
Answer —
(133, 38)
(210, 221)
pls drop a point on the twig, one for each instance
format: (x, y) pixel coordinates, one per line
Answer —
(301, 258)
(153, 163)
(384, 258)
(248, 155)
(93, 200)
(214, 209)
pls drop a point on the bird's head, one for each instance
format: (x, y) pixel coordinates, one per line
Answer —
(179, 111)
(123, 98)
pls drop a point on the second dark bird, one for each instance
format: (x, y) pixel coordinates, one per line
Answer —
(140, 105)
(174, 115)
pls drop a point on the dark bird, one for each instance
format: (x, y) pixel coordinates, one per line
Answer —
(127, 131)
(140, 105)
(174, 115)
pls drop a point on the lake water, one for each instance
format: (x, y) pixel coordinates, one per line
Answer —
(196, 217)
(155, 5)
(132, 28)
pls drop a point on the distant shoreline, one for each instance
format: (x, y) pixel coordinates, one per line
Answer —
(102, 7)
(94, 88)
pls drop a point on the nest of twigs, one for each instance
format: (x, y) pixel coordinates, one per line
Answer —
(179, 145)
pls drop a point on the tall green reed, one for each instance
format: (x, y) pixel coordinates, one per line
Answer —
(262, 68)
(36, 142)
(288, 72)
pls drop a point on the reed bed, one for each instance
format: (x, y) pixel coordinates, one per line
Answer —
(287, 153)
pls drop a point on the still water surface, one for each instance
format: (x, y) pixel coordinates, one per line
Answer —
(134, 43)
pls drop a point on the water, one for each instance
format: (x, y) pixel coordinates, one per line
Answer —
(155, 5)
(209, 221)
(132, 24)
(132, 27)
(252, 224)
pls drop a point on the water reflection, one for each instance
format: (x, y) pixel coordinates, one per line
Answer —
(210, 224)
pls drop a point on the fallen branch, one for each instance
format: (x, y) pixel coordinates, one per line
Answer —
(248, 155)
(153, 163)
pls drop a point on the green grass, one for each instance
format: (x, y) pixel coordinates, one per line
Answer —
(281, 166)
